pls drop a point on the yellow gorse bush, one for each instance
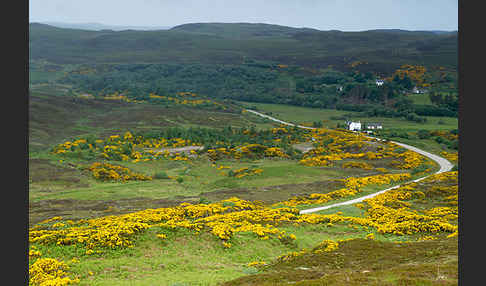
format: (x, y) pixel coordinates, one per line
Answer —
(390, 213)
(244, 172)
(186, 98)
(256, 264)
(326, 245)
(444, 134)
(275, 152)
(453, 157)
(109, 172)
(316, 161)
(127, 147)
(352, 187)
(49, 272)
(335, 145)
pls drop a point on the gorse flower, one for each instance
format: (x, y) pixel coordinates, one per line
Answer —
(49, 271)
(352, 187)
(109, 172)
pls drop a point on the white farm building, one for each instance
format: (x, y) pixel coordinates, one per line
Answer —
(353, 126)
(373, 126)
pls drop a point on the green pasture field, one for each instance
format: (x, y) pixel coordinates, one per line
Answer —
(306, 115)
(421, 98)
(199, 177)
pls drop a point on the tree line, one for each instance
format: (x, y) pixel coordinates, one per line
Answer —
(265, 83)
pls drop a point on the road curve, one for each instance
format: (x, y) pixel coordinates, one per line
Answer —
(444, 164)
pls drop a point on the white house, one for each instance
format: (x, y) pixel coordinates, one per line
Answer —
(417, 90)
(380, 82)
(373, 126)
(354, 126)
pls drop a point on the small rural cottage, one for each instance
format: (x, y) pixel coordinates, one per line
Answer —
(380, 82)
(373, 126)
(353, 126)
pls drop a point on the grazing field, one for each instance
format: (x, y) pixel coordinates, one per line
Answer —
(331, 117)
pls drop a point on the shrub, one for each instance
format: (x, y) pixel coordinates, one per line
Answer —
(161, 175)
(337, 117)
(109, 172)
(454, 145)
(414, 117)
(442, 140)
(423, 134)
(228, 204)
(204, 201)
(431, 110)
(419, 169)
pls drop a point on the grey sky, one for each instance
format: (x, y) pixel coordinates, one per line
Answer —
(344, 15)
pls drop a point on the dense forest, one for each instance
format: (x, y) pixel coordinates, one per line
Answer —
(266, 83)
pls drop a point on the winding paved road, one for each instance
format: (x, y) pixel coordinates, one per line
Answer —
(444, 164)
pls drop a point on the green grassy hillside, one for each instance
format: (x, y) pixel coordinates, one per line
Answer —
(241, 30)
(234, 43)
(53, 119)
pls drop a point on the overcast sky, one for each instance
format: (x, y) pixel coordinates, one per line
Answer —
(344, 15)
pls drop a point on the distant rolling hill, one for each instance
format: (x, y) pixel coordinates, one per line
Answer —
(232, 43)
(99, 27)
(241, 30)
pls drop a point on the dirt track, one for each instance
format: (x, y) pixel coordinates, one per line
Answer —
(185, 149)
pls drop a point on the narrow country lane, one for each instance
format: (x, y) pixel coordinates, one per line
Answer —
(444, 164)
